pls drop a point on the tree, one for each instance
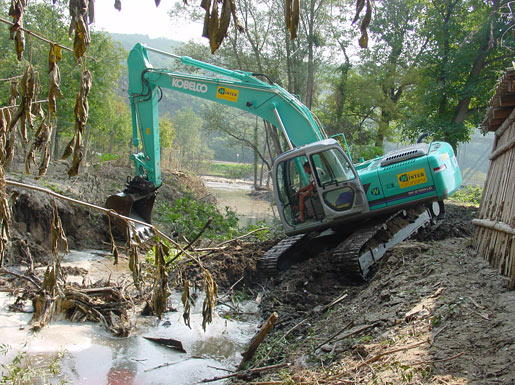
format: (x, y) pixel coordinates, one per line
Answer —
(465, 59)
(103, 60)
(192, 148)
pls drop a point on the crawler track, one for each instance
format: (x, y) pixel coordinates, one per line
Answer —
(356, 255)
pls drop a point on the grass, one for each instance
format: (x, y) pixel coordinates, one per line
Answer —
(469, 194)
(230, 170)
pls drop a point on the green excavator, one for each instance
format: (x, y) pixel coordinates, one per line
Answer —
(357, 211)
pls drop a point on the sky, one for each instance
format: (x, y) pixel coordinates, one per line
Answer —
(143, 17)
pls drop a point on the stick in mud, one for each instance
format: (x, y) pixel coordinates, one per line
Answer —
(241, 373)
(256, 341)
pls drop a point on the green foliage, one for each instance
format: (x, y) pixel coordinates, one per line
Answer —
(21, 371)
(188, 216)
(166, 131)
(469, 194)
(107, 157)
(109, 118)
(191, 145)
(230, 170)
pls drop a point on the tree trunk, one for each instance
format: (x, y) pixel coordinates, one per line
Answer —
(86, 145)
(311, 65)
(272, 134)
(111, 142)
(55, 144)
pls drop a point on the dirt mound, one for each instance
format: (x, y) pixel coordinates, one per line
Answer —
(433, 313)
(456, 224)
(235, 264)
(84, 228)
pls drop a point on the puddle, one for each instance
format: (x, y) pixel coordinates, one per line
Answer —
(94, 357)
(235, 195)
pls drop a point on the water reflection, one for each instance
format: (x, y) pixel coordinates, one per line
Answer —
(235, 195)
(94, 357)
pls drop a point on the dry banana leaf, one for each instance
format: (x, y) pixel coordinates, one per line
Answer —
(239, 25)
(41, 143)
(114, 249)
(16, 10)
(19, 44)
(359, 7)
(29, 160)
(161, 291)
(225, 21)
(215, 25)
(54, 90)
(45, 160)
(134, 266)
(81, 117)
(208, 306)
(27, 91)
(9, 150)
(58, 236)
(363, 40)
(5, 216)
(212, 27)
(77, 156)
(81, 12)
(14, 92)
(37, 110)
(187, 302)
(54, 56)
(206, 4)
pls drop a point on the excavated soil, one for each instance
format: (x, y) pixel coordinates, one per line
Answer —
(433, 313)
(84, 228)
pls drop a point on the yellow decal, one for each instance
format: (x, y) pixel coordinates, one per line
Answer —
(412, 178)
(227, 94)
(148, 130)
(445, 156)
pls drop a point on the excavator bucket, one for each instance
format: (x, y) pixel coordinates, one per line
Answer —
(136, 202)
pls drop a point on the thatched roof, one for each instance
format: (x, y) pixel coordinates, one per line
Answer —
(502, 103)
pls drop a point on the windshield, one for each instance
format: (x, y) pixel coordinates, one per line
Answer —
(332, 167)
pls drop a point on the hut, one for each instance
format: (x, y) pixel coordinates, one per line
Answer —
(495, 228)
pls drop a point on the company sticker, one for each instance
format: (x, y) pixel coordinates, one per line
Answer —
(412, 178)
(227, 94)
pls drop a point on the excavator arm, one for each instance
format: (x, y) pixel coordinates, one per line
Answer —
(238, 89)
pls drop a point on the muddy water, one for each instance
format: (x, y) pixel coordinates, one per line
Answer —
(93, 356)
(235, 195)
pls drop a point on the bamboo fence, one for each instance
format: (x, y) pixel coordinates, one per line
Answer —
(495, 228)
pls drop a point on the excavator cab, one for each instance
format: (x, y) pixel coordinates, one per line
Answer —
(339, 195)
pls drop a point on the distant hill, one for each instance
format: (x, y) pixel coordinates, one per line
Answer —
(129, 40)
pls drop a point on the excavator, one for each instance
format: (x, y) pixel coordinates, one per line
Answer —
(356, 211)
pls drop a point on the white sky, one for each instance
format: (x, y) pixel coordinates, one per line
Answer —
(143, 17)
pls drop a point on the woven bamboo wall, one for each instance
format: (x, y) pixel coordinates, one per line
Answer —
(495, 229)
